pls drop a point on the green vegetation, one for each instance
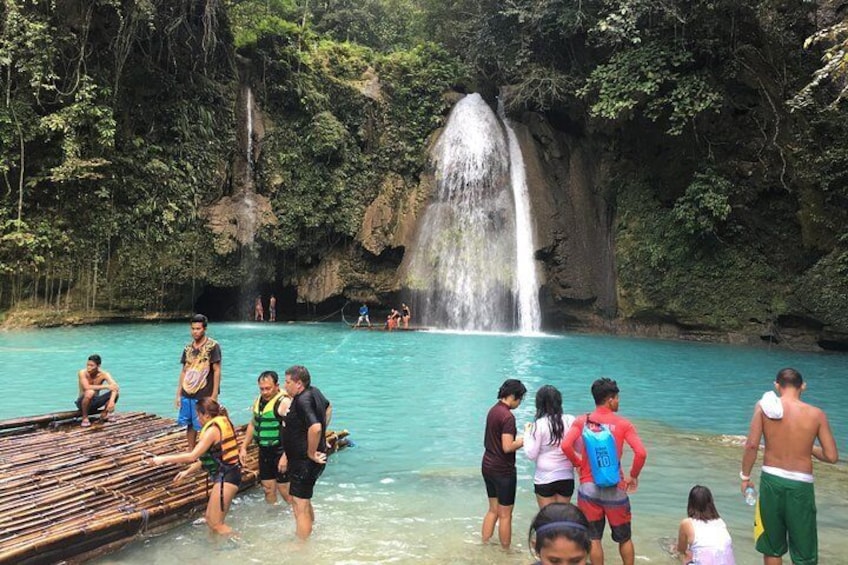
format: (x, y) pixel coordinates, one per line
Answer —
(724, 122)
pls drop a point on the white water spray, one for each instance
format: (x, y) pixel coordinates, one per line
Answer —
(248, 117)
(463, 271)
(526, 280)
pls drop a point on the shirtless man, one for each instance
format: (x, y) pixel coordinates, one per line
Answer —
(787, 504)
(92, 381)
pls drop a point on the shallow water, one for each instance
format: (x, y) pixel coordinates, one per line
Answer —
(415, 404)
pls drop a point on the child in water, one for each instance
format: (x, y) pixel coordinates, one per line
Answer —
(703, 538)
(559, 534)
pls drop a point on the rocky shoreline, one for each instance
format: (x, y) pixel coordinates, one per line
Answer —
(792, 338)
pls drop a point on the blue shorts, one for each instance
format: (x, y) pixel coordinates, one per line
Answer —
(188, 413)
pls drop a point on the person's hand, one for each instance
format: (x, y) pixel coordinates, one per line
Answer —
(214, 397)
(283, 464)
(177, 403)
(631, 484)
(181, 476)
(110, 407)
(158, 460)
(242, 456)
(318, 457)
(745, 484)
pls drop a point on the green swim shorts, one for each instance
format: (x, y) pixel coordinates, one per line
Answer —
(786, 509)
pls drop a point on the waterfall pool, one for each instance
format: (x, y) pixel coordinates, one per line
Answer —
(415, 404)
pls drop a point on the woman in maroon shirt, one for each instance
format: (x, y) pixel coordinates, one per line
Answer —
(499, 474)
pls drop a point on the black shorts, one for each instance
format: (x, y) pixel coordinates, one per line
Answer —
(98, 401)
(563, 488)
(230, 474)
(303, 473)
(502, 488)
(269, 457)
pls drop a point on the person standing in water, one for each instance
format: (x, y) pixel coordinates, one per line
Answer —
(304, 439)
(265, 428)
(217, 453)
(97, 389)
(405, 315)
(554, 477)
(499, 475)
(200, 377)
(785, 516)
(272, 309)
(612, 503)
(258, 310)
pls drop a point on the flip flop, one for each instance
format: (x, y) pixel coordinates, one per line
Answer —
(85, 424)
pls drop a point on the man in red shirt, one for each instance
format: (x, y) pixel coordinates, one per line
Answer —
(610, 503)
(499, 473)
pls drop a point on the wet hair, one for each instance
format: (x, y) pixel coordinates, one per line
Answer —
(299, 373)
(211, 408)
(269, 375)
(789, 377)
(549, 405)
(208, 407)
(701, 505)
(200, 319)
(559, 519)
(512, 387)
(96, 358)
(604, 389)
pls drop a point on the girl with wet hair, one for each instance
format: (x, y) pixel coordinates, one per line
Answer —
(559, 535)
(554, 477)
(703, 538)
(216, 452)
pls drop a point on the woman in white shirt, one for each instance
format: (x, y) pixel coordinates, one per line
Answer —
(703, 538)
(554, 477)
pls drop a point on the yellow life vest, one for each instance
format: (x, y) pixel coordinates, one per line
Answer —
(266, 425)
(223, 453)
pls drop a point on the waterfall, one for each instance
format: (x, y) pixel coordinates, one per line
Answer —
(526, 281)
(462, 271)
(248, 118)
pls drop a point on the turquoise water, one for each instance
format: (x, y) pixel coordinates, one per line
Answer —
(415, 404)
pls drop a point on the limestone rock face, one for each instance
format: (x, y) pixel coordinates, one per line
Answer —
(389, 221)
(324, 281)
(235, 220)
(574, 224)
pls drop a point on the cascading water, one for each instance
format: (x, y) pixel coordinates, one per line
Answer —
(462, 271)
(526, 281)
(248, 118)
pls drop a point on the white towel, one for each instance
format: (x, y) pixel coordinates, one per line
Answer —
(771, 405)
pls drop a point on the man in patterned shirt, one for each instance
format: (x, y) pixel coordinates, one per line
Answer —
(200, 377)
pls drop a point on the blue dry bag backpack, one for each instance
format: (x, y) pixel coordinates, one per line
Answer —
(599, 446)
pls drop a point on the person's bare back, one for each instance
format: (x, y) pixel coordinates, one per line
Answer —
(789, 441)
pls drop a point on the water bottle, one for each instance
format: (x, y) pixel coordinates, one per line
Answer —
(750, 495)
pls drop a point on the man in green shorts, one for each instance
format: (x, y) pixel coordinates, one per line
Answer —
(786, 511)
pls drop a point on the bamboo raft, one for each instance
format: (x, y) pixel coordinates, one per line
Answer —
(69, 493)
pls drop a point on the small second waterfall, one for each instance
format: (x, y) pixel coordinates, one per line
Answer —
(527, 282)
(248, 119)
(463, 271)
